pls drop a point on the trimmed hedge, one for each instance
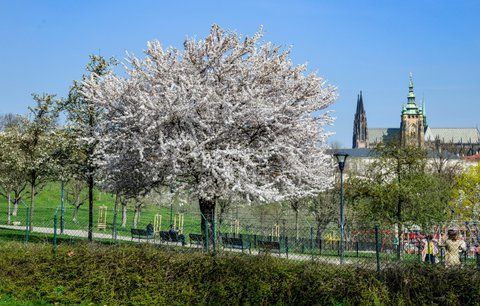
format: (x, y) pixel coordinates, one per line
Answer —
(126, 274)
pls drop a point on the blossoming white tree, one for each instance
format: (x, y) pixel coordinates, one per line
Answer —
(226, 116)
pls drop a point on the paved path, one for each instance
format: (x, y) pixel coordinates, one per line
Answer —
(84, 234)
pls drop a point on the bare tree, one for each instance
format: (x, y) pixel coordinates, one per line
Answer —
(324, 208)
(75, 195)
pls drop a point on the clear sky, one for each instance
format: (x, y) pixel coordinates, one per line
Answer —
(355, 45)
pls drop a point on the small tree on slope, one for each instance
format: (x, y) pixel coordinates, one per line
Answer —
(225, 116)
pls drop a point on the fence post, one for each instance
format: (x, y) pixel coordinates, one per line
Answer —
(206, 233)
(442, 255)
(311, 241)
(377, 248)
(477, 258)
(62, 204)
(114, 230)
(27, 226)
(285, 237)
(55, 232)
(356, 247)
(214, 234)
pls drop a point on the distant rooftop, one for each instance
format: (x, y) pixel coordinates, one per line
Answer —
(453, 135)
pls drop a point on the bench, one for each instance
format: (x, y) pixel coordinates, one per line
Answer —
(196, 239)
(141, 234)
(166, 236)
(268, 246)
(232, 242)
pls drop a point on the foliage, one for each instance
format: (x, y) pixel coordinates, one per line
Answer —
(12, 179)
(40, 146)
(146, 275)
(398, 188)
(466, 195)
(84, 117)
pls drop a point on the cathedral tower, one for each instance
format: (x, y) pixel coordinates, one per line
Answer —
(412, 129)
(360, 137)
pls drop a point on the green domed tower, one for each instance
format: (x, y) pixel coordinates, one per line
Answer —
(412, 125)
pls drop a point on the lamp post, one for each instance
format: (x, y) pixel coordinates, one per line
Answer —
(341, 159)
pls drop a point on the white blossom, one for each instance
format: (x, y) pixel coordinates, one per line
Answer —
(226, 116)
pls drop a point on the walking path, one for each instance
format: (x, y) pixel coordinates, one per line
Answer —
(84, 234)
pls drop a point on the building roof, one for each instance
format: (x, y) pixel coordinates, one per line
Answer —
(377, 135)
(453, 135)
(359, 152)
(373, 153)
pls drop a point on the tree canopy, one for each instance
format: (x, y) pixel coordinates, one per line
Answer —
(225, 115)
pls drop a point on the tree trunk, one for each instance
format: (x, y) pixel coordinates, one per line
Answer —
(136, 216)
(90, 207)
(62, 207)
(124, 214)
(32, 205)
(296, 224)
(75, 213)
(115, 214)
(400, 230)
(319, 234)
(9, 213)
(15, 207)
(207, 209)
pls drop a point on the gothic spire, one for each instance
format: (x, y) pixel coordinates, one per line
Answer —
(424, 112)
(411, 107)
(360, 136)
(360, 108)
(411, 94)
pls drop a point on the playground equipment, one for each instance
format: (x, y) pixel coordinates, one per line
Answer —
(235, 227)
(276, 231)
(157, 223)
(102, 217)
(178, 222)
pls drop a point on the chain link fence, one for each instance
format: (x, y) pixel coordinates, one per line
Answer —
(373, 247)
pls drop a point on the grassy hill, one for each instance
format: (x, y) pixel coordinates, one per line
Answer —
(48, 202)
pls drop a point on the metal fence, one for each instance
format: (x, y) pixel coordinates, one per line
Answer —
(373, 247)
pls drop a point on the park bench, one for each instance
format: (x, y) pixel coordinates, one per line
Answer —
(141, 234)
(196, 239)
(233, 243)
(166, 236)
(268, 246)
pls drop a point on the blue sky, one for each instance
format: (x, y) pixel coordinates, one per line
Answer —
(355, 45)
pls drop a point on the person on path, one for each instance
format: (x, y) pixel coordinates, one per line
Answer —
(150, 229)
(453, 246)
(430, 250)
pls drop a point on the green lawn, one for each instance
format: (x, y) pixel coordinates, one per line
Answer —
(48, 201)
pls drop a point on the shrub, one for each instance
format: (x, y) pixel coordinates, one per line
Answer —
(144, 274)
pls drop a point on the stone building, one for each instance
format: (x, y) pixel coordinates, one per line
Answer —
(414, 130)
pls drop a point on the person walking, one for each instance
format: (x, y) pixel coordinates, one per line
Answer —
(453, 246)
(430, 250)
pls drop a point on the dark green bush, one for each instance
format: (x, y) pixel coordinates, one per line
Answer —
(126, 274)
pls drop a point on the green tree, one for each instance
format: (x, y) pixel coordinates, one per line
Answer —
(465, 204)
(399, 189)
(12, 178)
(37, 144)
(84, 117)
